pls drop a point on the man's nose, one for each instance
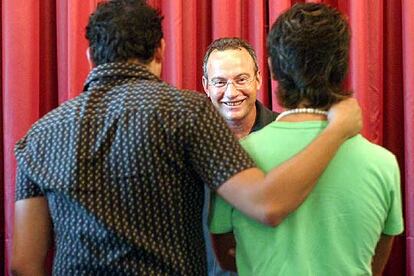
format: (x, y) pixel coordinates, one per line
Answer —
(230, 91)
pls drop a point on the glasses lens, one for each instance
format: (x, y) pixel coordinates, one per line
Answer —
(239, 83)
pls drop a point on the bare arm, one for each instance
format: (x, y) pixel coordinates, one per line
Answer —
(382, 253)
(32, 236)
(224, 246)
(269, 199)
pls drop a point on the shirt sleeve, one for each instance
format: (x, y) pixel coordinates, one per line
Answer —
(214, 152)
(220, 215)
(25, 188)
(394, 224)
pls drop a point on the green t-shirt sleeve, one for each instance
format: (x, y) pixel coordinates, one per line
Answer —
(220, 215)
(394, 224)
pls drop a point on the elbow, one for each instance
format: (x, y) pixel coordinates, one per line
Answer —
(273, 216)
(18, 268)
(271, 220)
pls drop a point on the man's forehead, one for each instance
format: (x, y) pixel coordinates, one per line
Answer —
(239, 51)
(230, 60)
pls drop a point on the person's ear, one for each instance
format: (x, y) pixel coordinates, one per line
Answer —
(89, 58)
(159, 52)
(259, 79)
(205, 86)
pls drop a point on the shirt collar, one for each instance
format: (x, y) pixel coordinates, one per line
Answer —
(106, 73)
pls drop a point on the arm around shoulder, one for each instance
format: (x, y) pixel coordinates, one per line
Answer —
(269, 199)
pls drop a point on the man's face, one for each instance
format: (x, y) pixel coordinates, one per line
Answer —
(233, 100)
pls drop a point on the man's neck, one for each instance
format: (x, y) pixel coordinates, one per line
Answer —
(242, 128)
(152, 66)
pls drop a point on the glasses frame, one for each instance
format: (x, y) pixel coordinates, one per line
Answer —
(235, 85)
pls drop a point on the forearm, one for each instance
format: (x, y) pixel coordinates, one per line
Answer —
(32, 236)
(382, 253)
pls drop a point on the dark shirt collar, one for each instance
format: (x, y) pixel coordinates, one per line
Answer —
(110, 72)
(264, 116)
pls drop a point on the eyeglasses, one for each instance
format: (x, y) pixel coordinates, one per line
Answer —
(239, 83)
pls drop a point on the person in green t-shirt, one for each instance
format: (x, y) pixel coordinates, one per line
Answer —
(346, 225)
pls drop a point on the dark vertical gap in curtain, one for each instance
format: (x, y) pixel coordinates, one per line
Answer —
(268, 25)
(244, 20)
(2, 194)
(48, 72)
(62, 49)
(48, 96)
(394, 112)
(204, 36)
(375, 63)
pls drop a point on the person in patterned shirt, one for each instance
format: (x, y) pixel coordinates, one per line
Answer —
(117, 173)
(232, 79)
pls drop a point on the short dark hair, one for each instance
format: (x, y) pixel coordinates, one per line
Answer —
(120, 30)
(309, 47)
(227, 43)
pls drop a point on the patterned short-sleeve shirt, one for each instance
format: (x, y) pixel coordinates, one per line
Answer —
(123, 167)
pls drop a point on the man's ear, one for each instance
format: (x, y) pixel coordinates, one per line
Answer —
(89, 58)
(269, 63)
(259, 79)
(159, 52)
(205, 86)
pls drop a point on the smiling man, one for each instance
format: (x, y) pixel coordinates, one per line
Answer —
(231, 79)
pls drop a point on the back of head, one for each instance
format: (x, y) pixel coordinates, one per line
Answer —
(229, 43)
(309, 46)
(121, 30)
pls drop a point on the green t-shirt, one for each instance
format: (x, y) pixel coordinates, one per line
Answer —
(336, 229)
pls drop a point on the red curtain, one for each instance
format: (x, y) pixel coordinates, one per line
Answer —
(43, 64)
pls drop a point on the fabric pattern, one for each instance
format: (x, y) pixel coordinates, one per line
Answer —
(123, 167)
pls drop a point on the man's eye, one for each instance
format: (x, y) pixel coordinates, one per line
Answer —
(242, 81)
(219, 83)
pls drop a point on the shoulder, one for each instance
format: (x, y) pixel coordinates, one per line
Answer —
(172, 96)
(57, 117)
(369, 152)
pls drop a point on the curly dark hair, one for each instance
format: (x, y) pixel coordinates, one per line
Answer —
(226, 43)
(309, 47)
(120, 30)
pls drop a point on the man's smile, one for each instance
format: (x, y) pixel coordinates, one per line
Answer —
(233, 103)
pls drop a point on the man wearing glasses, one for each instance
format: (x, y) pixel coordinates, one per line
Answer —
(231, 79)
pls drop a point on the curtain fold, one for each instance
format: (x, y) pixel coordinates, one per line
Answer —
(276, 7)
(2, 229)
(408, 69)
(20, 28)
(44, 64)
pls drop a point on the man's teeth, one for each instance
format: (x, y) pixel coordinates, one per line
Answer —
(233, 103)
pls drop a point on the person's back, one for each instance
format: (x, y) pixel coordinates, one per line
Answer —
(335, 231)
(345, 226)
(127, 143)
